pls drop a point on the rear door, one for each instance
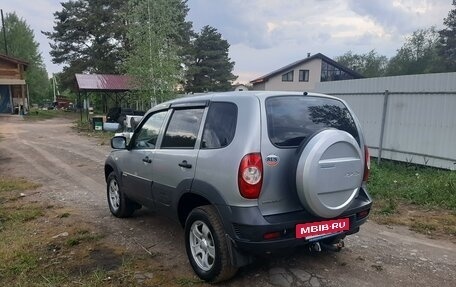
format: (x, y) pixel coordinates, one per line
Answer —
(290, 120)
(174, 163)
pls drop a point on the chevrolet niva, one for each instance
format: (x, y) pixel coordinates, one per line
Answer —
(245, 173)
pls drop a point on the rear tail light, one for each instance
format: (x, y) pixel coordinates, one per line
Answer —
(367, 164)
(250, 175)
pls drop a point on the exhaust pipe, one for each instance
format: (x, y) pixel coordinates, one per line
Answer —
(315, 247)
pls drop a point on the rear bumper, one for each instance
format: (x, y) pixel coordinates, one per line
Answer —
(246, 226)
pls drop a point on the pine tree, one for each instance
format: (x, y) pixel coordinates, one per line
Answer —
(447, 43)
(210, 68)
(88, 36)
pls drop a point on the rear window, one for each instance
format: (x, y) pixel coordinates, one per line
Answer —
(292, 119)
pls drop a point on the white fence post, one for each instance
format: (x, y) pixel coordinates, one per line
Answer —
(382, 127)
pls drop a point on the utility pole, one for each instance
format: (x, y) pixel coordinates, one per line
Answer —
(4, 33)
(54, 87)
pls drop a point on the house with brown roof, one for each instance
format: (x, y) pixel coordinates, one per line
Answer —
(304, 74)
(13, 88)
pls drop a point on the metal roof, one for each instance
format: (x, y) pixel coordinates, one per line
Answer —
(316, 56)
(103, 82)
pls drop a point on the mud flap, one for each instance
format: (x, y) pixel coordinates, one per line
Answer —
(237, 258)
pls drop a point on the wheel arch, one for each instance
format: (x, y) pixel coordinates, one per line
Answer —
(107, 170)
(187, 203)
(109, 167)
(201, 193)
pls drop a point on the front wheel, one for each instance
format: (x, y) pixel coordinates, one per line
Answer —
(119, 204)
(207, 249)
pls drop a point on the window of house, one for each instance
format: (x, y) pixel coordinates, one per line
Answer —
(303, 75)
(332, 73)
(288, 77)
(183, 128)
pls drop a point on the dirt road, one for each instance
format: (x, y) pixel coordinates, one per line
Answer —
(70, 167)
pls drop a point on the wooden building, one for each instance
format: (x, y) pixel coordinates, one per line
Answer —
(13, 88)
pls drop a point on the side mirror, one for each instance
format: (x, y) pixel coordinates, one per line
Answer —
(119, 142)
(127, 135)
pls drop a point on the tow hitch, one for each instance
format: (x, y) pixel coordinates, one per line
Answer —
(337, 246)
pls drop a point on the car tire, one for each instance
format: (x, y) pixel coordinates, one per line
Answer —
(206, 246)
(119, 205)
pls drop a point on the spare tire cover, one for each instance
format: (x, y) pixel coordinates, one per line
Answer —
(329, 173)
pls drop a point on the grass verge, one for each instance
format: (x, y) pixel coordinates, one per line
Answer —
(422, 198)
(47, 245)
(86, 129)
(40, 115)
(16, 184)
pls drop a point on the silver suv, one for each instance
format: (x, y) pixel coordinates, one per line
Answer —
(245, 173)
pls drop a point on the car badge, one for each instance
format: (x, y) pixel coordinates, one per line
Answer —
(272, 160)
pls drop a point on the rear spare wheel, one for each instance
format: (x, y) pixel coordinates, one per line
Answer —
(329, 172)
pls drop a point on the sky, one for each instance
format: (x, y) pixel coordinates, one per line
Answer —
(268, 34)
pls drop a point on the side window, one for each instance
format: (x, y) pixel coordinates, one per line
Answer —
(303, 75)
(148, 134)
(220, 125)
(183, 128)
(288, 77)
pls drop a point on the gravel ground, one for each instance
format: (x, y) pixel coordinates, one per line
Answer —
(70, 167)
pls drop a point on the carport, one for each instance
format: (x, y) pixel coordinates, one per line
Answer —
(108, 85)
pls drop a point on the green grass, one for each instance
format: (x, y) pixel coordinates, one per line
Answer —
(188, 282)
(86, 128)
(422, 198)
(23, 262)
(20, 214)
(36, 114)
(31, 256)
(16, 184)
(82, 236)
(39, 115)
(82, 126)
(392, 182)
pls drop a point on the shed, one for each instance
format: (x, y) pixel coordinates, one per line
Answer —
(105, 84)
(13, 88)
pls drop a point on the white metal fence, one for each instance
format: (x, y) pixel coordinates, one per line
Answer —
(406, 118)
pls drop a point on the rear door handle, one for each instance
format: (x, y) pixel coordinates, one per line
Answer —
(147, 160)
(184, 164)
